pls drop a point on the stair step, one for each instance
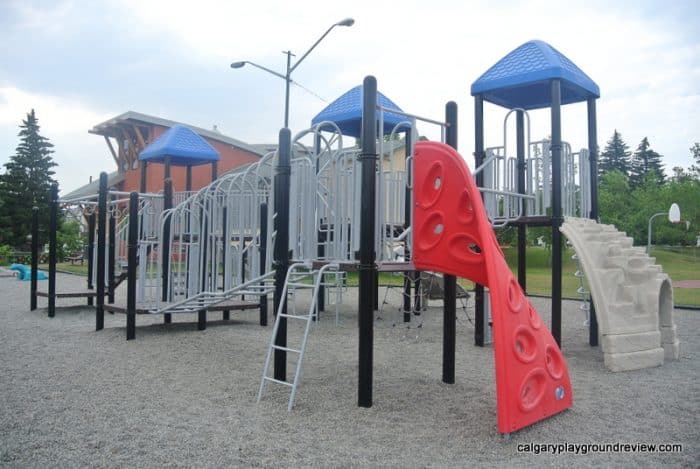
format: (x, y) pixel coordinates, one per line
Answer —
(284, 383)
(295, 316)
(286, 349)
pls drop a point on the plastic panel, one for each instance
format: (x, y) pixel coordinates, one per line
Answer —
(453, 235)
(182, 145)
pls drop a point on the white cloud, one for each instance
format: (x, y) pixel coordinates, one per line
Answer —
(423, 54)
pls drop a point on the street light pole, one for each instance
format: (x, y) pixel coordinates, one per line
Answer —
(288, 80)
(287, 77)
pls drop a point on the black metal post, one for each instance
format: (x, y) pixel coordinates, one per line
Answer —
(556, 210)
(593, 160)
(166, 168)
(91, 220)
(281, 247)
(263, 260)
(225, 243)
(144, 176)
(479, 157)
(132, 261)
(188, 178)
(214, 170)
(53, 228)
(368, 267)
(167, 204)
(35, 258)
(320, 239)
(408, 277)
(101, 248)
(112, 256)
(204, 243)
(449, 338)
(522, 228)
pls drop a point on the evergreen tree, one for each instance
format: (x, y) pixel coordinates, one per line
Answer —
(26, 183)
(646, 163)
(615, 157)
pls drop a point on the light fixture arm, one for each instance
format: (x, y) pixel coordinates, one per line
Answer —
(277, 74)
(296, 64)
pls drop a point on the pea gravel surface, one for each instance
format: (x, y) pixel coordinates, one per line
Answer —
(176, 396)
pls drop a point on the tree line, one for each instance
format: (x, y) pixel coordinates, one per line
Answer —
(633, 186)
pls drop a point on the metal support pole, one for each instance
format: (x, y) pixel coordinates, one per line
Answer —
(556, 210)
(226, 244)
(449, 338)
(321, 238)
(91, 220)
(281, 248)
(166, 168)
(368, 267)
(53, 228)
(660, 214)
(101, 248)
(204, 243)
(112, 257)
(263, 260)
(214, 170)
(188, 178)
(593, 164)
(132, 261)
(479, 157)
(165, 248)
(35, 258)
(522, 228)
(288, 81)
(408, 210)
(144, 176)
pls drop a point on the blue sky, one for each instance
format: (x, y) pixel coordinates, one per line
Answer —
(79, 63)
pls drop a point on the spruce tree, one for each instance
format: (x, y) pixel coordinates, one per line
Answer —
(26, 183)
(615, 157)
(646, 163)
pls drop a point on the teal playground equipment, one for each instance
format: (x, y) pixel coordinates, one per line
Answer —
(25, 273)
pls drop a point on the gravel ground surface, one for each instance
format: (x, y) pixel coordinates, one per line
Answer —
(176, 396)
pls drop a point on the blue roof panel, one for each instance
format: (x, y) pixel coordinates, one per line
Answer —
(346, 113)
(521, 78)
(182, 145)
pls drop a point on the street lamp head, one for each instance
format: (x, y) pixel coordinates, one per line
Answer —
(237, 64)
(346, 22)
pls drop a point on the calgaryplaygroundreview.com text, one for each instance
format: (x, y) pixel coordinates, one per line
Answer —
(586, 448)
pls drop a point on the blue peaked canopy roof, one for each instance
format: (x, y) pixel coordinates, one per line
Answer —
(346, 113)
(182, 145)
(521, 78)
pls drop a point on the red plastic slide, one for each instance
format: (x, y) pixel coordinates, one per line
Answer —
(452, 234)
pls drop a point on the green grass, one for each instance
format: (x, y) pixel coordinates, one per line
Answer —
(679, 263)
(67, 267)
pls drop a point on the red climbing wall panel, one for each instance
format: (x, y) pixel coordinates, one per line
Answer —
(452, 234)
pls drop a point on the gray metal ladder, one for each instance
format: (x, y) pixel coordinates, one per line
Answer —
(294, 281)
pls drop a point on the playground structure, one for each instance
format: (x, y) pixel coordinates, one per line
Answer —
(337, 209)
